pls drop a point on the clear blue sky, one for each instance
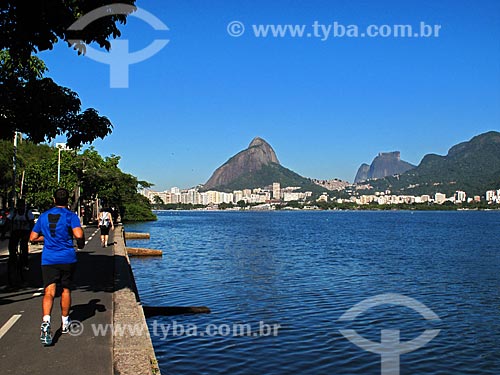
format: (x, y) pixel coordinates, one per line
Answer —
(325, 107)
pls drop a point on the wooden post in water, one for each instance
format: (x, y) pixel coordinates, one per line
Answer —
(137, 236)
(150, 311)
(139, 252)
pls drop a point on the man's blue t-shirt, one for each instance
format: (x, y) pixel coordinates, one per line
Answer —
(56, 225)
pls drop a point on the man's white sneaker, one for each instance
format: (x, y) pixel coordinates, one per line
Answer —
(45, 335)
(66, 327)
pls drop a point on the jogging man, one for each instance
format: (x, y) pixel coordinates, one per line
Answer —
(57, 227)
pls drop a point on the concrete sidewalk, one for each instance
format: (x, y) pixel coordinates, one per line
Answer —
(103, 281)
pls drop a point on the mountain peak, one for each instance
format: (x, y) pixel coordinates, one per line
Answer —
(258, 155)
(385, 164)
(258, 141)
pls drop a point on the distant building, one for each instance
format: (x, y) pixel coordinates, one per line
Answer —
(238, 196)
(226, 197)
(491, 196)
(289, 196)
(322, 198)
(460, 196)
(439, 198)
(425, 198)
(151, 195)
(276, 190)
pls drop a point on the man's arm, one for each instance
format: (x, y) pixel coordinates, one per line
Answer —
(80, 237)
(36, 237)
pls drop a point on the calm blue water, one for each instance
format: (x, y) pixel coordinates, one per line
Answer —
(303, 270)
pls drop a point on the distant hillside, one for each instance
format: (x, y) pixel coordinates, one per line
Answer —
(472, 166)
(332, 185)
(385, 164)
(268, 174)
(256, 166)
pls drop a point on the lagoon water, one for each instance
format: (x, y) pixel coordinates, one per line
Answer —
(303, 270)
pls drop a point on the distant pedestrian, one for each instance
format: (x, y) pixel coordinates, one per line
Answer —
(57, 227)
(21, 222)
(105, 224)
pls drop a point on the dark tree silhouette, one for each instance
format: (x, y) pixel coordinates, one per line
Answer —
(30, 103)
(41, 109)
(27, 27)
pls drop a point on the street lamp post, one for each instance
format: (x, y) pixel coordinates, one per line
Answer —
(60, 147)
(14, 171)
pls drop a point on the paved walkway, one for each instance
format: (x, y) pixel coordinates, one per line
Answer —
(20, 316)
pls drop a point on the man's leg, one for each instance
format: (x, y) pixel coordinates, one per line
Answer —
(24, 249)
(47, 303)
(65, 302)
(48, 299)
(13, 243)
(13, 266)
(67, 284)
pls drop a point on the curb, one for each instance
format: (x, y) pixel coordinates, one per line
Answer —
(132, 354)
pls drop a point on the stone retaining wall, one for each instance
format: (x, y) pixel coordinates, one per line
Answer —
(132, 354)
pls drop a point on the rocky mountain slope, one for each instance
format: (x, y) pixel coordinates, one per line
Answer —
(385, 164)
(256, 166)
(472, 166)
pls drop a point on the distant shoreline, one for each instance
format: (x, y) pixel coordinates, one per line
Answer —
(332, 210)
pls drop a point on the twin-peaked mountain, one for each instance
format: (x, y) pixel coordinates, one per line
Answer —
(472, 166)
(385, 164)
(256, 166)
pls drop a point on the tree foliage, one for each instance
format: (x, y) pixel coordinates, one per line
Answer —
(28, 27)
(31, 103)
(96, 177)
(41, 109)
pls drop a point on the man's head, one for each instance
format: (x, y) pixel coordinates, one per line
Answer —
(21, 204)
(61, 197)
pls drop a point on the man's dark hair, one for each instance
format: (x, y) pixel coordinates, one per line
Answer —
(61, 197)
(21, 203)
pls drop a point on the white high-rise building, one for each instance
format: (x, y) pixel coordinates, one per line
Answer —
(276, 190)
(491, 196)
(460, 196)
(238, 196)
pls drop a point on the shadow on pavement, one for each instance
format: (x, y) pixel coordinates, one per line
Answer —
(94, 273)
(85, 311)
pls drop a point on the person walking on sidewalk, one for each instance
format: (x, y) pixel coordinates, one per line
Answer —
(57, 227)
(21, 221)
(105, 224)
